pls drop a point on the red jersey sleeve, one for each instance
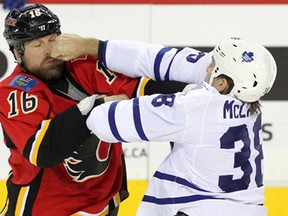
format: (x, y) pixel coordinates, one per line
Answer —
(96, 79)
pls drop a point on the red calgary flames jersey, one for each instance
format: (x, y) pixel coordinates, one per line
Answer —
(42, 182)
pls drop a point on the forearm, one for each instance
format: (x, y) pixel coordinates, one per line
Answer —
(155, 117)
(90, 46)
(130, 58)
(155, 61)
(61, 136)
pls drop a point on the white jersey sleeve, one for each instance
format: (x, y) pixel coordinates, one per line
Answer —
(140, 119)
(136, 59)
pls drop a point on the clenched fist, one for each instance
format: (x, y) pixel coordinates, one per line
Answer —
(70, 46)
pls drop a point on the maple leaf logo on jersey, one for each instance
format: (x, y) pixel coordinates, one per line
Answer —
(89, 161)
(247, 57)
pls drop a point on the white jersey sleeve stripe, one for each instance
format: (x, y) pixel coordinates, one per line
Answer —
(176, 200)
(177, 179)
(167, 75)
(137, 120)
(157, 63)
(112, 123)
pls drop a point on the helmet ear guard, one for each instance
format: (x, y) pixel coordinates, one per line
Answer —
(29, 23)
(251, 67)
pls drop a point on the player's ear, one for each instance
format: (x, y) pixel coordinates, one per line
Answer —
(221, 84)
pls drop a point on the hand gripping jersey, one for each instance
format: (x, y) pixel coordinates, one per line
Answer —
(58, 166)
(215, 166)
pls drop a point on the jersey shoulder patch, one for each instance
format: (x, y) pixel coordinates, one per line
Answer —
(24, 82)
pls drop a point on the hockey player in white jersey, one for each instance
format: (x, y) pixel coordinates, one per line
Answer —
(215, 166)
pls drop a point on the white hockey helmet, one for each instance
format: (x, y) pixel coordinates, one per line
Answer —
(251, 67)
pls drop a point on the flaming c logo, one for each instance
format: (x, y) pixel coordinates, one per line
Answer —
(89, 161)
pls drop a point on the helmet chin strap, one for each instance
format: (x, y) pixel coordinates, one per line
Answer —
(21, 64)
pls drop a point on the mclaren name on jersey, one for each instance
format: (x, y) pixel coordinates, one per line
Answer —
(234, 110)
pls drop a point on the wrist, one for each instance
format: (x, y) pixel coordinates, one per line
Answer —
(92, 46)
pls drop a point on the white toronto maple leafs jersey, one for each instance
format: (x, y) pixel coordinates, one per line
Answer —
(215, 166)
(136, 59)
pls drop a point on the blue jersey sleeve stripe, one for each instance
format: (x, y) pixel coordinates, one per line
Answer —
(102, 55)
(176, 179)
(137, 120)
(176, 200)
(157, 62)
(167, 75)
(112, 122)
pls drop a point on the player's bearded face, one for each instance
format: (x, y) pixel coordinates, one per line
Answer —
(47, 69)
(37, 60)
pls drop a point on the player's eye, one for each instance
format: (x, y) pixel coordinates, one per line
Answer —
(34, 43)
(37, 45)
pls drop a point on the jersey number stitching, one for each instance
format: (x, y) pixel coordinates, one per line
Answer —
(241, 159)
(166, 99)
(110, 76)
(28, 103)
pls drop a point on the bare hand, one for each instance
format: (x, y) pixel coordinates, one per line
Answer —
(71, 46)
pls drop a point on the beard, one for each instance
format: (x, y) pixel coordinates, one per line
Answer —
(49, 69)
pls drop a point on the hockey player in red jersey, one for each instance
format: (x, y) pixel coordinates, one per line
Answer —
(58, 166)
